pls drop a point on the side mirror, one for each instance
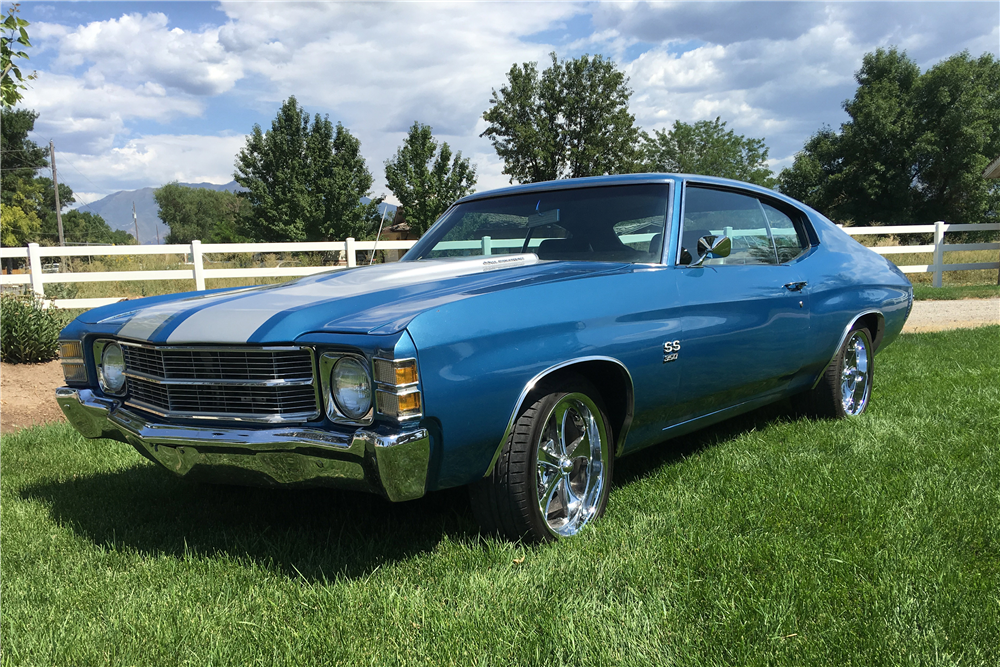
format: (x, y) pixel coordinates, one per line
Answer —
(712, 247)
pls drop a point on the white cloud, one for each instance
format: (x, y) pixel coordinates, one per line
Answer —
(136, 49)
(379, 67)
(777, 70)
(87, 116)
(391, 63)
(153, 160)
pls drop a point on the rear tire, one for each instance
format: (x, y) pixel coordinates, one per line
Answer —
(845, 387)
(554, 472)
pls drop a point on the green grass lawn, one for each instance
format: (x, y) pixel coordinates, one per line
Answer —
(763, 541)
(951, 292)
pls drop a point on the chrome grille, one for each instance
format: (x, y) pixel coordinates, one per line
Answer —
(252, 384)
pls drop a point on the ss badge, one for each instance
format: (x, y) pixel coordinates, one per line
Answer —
(670, 350)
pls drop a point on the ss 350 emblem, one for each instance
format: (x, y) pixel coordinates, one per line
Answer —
(670, 350)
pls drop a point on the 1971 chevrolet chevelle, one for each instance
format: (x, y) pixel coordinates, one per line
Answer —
(532, 336)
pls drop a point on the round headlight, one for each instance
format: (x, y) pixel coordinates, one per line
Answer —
(351, 388)
(112, 375)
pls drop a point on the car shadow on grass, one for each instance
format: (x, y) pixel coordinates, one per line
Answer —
(649, 460)
(317, 534)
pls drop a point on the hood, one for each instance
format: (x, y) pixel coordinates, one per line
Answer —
(379, 299)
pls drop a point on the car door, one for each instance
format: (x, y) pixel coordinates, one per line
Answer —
(744, 318)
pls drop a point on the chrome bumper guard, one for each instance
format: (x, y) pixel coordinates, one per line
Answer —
(390, 462)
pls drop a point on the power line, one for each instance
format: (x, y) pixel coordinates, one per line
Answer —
(65, 164)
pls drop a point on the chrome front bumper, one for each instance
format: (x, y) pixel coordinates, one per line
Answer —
(389, 462)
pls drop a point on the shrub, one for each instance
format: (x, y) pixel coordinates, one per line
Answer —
(28, 333)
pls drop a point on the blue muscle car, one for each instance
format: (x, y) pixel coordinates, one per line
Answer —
(533, 335)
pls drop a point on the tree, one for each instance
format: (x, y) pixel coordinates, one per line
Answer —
(345, 179)
(83, 227)
(304, 182)
(707, 147)
(914, 148)
(814, 165)
(22, 196)
(208, 215)
(426, 185)
(48, 203)
(957, 134)
(13, 32)
(21, 157)
(875, 144)
(570, 121)
(17, 225)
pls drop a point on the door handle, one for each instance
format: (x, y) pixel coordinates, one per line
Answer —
(795, 287)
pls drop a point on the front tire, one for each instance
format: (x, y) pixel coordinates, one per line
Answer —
(554, 473)
(845, 388)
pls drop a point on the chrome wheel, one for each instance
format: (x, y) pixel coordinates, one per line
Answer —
(855, 383)
(573, 450)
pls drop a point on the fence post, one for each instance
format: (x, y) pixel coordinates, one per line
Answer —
(35, 268)
(938, 252)
(487, 245)
(199, 267)
(352, 259)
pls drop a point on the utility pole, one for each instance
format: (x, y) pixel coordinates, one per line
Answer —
(136, 221)
(55, 188)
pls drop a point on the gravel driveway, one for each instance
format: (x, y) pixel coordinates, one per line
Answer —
(959, 314)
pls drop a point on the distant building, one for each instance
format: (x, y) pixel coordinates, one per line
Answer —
(993, 171)
(397, 231)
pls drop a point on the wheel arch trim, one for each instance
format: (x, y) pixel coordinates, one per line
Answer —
(875, 336)
(526, 391)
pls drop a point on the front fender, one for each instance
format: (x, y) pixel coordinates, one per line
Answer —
(478, 356)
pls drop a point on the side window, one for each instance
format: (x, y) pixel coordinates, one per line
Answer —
(710, 212)
(789, 239)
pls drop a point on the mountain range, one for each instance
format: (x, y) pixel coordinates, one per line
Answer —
(116, 209)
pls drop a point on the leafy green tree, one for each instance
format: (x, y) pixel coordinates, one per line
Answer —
(19, 224)
(914, 148)
(875, 144)
(12, 33)
(22, 196)
(48, 203)
(957, 135)
(81, 227)
(708, 148)
(426, 178)
(344, 179)
(571, 120)
(208, 215)
(814, 166)
(21, 156)
(304, 182)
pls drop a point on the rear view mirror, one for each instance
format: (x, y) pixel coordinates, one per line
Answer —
(712, 247)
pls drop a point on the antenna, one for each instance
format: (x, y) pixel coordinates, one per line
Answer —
(136, 221)
(384, 210)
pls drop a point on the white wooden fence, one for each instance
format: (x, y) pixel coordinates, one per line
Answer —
(939, 247)
(196, 251)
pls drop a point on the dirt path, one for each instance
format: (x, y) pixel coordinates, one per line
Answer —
(943, 315)
(27, 394)
(26, 390)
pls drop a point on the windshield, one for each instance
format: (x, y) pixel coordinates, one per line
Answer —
(622, 223)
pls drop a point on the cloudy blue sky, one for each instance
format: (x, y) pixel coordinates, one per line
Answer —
(137, 94)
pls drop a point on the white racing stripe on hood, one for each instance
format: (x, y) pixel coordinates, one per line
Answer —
(236, 321)
(147, 320)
